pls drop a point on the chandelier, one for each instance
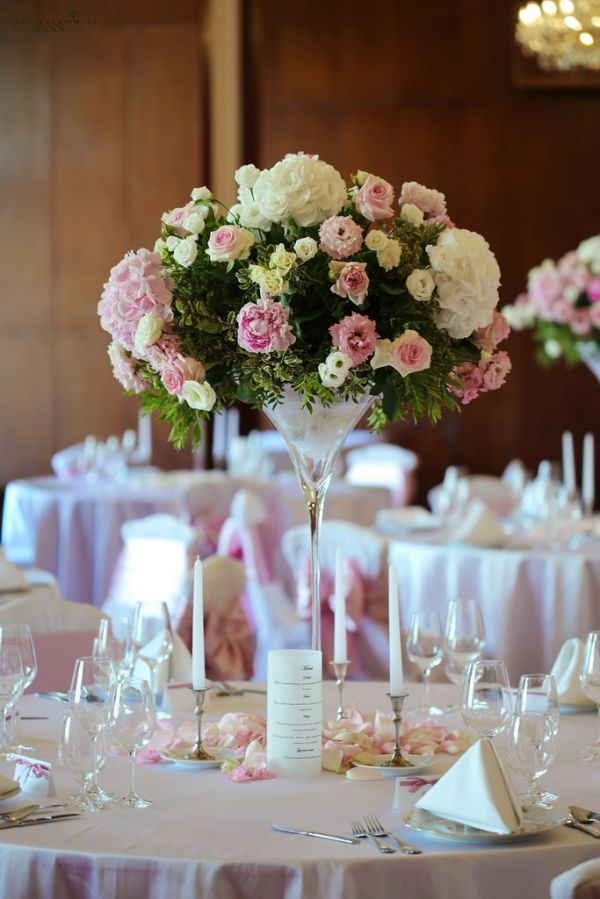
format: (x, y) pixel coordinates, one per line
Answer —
(561, 34)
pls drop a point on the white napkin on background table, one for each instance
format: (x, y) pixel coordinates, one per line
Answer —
(178, 667)
(566, 673)
(476, 791)
(480, 527)
(11, 577)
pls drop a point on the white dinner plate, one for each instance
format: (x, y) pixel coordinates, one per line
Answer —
(191, 763)
(9, 791)
(535, 821)
(420, 764)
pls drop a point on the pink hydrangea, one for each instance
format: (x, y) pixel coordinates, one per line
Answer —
(431, 202)
(124, 368)
(340, 236)
(137, 285)
(176, 217)
(263, 326)
(545, 290)
(352, 282)
(498, 330)
(374, 199)
(470, 378)
(355, 335)
(495, 370)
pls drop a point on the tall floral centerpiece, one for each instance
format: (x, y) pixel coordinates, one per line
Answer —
(314, 301)
(562, 304)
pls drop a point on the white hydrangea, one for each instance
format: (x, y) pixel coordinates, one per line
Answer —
(300, 187)
(467, 277)
(589, 253)
(252, 217)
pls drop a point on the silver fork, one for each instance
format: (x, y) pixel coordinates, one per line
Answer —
(375, 828)
(359, 830)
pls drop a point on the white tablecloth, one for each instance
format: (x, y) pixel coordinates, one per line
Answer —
(207, 837)
(532, 600)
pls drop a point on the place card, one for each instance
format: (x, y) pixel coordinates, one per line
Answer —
(294, 712)
(34, 776)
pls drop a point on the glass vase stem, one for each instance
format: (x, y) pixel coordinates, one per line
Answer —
(315, 500)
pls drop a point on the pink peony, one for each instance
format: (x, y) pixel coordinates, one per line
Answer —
(495, 370)
(352, 282)
(470, 378)
(137, 285)
(593, 290)
(580, 322)
(374, 199)
(263, 326)
(176, 217)
(497, 331)
(429, 201)
(340, 236)
(229, 242)
(354, 335)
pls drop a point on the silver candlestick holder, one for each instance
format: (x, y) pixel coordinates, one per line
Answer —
(397, 760)
(340, 670)
(196, 752)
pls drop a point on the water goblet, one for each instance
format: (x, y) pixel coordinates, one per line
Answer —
(19, 635)
(537, 695)
(133, 718)
(531, 749)
(11, 678)
(90, 700)
(424, 648)
(463, 638)
(78, 755)
(589, 678)
(153, 640)
(486, 704)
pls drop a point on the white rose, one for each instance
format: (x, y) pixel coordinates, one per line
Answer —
(282, 259)
(331, 378)
(172, 242)
(389, 256)
(420, 284)
(246, 175)
(305, 248)
(376, 240)
(159, 245)
(194, 222)
(519, 317)
(553, 349)
(199, 396)
(589, 253)
(252, 217)
(148, 331)
(234, 213)
(186, 251)
(273, 283)
(201, 193)
(467, 278)
(300, 187)
(338, 362)
(411, 214)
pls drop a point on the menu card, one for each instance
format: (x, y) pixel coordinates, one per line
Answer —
(294, 712)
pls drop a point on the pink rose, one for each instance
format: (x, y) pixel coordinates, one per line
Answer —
(580, 322)
(374, 199)
(174, 373)
(340, 236)
(352, 282)
(429, 201)
(176, 217)
(229, 242)
(545, 290)
(495, 370)
(263, 326)
(593, 290)
(408, 353)
(470, 378)
(355, 335)
(497, 331)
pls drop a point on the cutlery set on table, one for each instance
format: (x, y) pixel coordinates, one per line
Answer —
(369, 827)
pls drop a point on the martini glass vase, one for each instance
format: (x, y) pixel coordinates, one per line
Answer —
(313, 440)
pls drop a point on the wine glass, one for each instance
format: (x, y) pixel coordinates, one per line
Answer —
(424, 648)
(78, 755)
(19, 635)
(531, 747)
(486, 703)
(90, 700)
(537, 695)
(11, 678)
(589, 678)
(133, 717)
(463, 637)
(152, 639)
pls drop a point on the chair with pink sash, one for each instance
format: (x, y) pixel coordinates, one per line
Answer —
(365, 554)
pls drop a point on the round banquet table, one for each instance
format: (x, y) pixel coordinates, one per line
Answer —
(73, 529)
(205, 836)
(532, 600)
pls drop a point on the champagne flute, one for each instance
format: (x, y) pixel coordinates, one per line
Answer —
(19, 635)
(424, 648)
(531, 748)
(486, 704)
(133, 718)
(90, 700)
(463, 637)
(152, 639)
(589, 678)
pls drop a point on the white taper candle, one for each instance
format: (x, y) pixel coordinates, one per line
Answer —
(340, 650)
(587, 480)
(568, 463)
(396, 676)
(198, 664)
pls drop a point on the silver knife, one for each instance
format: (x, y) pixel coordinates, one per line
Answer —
(314, 833)
(46, 819)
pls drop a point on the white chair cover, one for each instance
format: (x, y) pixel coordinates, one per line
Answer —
(580, 882)
(384, 465)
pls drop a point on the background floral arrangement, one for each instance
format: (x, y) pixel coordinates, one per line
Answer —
(306, 282)
(562, 303)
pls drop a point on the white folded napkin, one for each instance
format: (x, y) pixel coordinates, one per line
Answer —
(11, 577)
(178, 667)
(480, 527)
(477, 791)
(566, 673)
(406, 518)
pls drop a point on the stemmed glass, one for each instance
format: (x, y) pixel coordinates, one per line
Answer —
(78, 755)
(537, 696)
(133, 718)
(11, 678)
(531, 752)
(589, 678)
(463, 637)
(152, 639)
(424, 648)
(486, 704)
(90, 700)
(19, 635)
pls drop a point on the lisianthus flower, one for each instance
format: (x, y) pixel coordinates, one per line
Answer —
(355, 335)
(340, 237)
